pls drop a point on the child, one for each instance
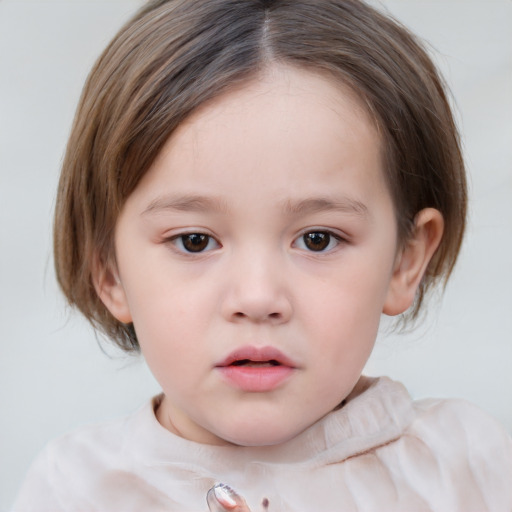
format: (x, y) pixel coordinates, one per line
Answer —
(248, 186)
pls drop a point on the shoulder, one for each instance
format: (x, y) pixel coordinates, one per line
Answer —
(469, 447)
(451, 430)
(459, 424)
(68, 465)
(88, 445)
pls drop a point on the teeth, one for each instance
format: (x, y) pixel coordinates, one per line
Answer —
(255, 364)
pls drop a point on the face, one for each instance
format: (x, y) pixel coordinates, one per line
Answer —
(255, 259)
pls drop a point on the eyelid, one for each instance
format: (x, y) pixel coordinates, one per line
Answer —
(339, 237)
(177, 238)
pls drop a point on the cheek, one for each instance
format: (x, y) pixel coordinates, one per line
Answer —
(161, 294)
(346, 325)
(170, 341)
(344, 313)
(171, 316)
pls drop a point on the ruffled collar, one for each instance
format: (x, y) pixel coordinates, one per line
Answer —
(376, 413)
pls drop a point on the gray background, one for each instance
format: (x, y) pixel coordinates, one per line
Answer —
(55, 377)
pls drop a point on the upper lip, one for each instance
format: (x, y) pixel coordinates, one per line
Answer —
(258, 355)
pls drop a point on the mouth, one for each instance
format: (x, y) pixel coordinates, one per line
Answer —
(257, 357)
(253, 369)
(255, 364)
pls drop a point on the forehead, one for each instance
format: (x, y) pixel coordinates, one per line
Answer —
(272, 99)
(287, 126)
(281, 85)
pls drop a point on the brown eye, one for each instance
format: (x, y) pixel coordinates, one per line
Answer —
(317, 240)
(195, 242)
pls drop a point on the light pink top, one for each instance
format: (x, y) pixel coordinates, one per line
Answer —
(379, 452)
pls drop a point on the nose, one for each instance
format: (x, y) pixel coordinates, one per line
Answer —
(256, 291)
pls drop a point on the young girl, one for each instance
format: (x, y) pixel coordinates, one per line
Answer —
(248, 186)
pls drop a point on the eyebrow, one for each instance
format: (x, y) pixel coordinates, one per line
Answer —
(204, 204)
(321, 204)
(186, 203)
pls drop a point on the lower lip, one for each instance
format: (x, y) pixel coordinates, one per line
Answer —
(256, 379)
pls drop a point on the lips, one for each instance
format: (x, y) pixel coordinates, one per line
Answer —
(259, 355)
(256, 369)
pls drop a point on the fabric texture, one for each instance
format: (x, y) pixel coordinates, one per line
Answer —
(380, 451)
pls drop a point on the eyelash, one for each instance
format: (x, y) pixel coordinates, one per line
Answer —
(179, 242)
(332, 240)
(327, 240)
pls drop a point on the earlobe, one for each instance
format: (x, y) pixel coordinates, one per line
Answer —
(110, 290)
(412, 261)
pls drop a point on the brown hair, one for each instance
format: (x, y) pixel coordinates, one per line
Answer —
(175, 55)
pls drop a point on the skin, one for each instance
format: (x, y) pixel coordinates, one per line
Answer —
(255, 170)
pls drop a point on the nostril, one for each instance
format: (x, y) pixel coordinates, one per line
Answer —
(274, 316)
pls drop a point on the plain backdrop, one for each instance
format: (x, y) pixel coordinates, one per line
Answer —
(55, 375)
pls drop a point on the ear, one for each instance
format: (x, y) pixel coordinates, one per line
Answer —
(110, 289)
(412, 261)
